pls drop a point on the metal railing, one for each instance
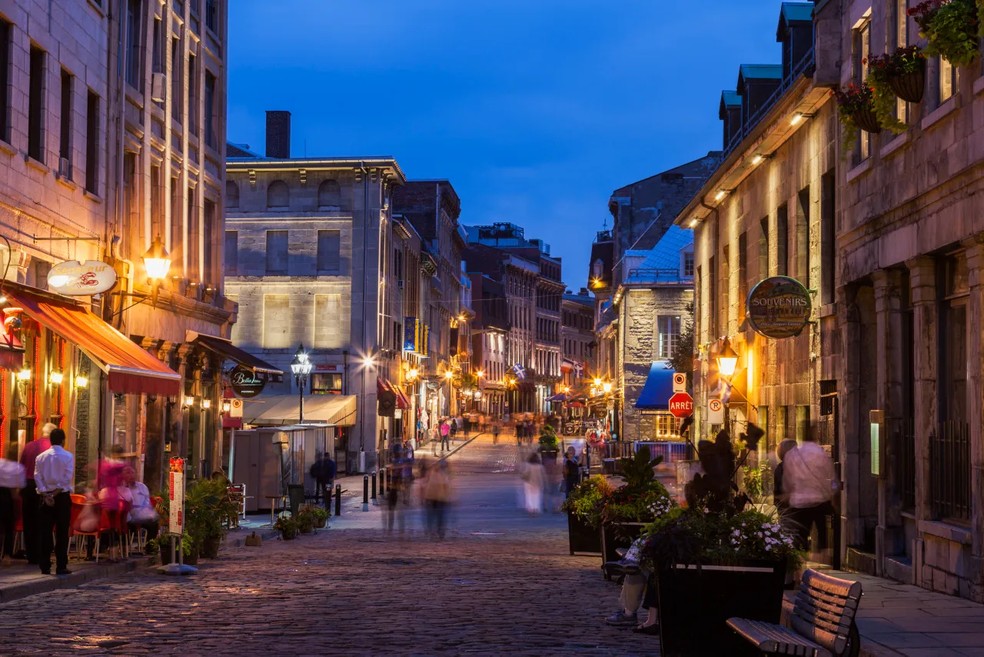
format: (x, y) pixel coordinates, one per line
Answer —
(949, 474)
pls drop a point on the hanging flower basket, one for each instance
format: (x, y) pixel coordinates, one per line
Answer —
(951, 29)
(903, 72)
(909, 86)
(865, 119)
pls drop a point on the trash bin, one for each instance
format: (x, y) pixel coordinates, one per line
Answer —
(295, 497)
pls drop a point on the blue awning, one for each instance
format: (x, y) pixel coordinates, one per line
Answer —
(658, 389)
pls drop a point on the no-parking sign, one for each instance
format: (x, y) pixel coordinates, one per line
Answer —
(679, 382)
(715, 411)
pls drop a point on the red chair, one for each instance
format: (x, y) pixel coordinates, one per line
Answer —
(75, 532)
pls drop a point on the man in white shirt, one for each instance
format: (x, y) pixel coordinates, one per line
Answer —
(808, 481)
(54, 474)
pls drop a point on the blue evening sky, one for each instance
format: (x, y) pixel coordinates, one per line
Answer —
(535, 110)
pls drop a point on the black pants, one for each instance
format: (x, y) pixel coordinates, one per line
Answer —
(803, 519)
(30, 505)
(55, 517)
(7, 521)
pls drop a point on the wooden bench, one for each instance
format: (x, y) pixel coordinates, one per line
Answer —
(820, 624)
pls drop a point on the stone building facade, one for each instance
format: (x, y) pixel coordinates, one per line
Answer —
(577, 339)
(310, 258)
(113, 134)
(909, 295)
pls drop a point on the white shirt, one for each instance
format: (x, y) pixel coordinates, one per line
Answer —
(139, 496)
(11, 474)
(55, 470)
(807, 475)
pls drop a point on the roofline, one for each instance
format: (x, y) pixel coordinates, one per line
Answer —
(290, 164)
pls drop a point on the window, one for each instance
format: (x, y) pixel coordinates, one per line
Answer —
(803, 237)
(65, 127)
(278, 194)
(764, 247)
(276, 321)
(157, 49)
(156, 201)
(211, 118)
(231, 252)
(782, 241)
(194, 240)
(827, 237)
(329, 194)
(92, 143)
(35, 106)
(276, 252)
(177, 71)
(208, 241)
(862, 51)
(742, 272)
(133, 44)
(4, 80)
(669, 335)
(193, 108)
(131, 189)
(232, 195)
(177, 223)
(212, 15)
(329, 322)
(688, 264)
(900, 39)
(948, 80)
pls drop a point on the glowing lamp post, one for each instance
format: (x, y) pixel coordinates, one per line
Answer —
(301, 368)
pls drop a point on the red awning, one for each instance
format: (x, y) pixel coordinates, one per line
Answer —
(402, 401)
(385, 385)
(129, 368)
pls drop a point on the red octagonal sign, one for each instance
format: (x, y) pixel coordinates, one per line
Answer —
(681, 404)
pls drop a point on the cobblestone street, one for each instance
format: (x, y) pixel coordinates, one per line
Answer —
(501, 582)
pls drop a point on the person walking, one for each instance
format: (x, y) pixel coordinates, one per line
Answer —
(437, 497)
(12, 479)
(572, 471)
(30, 501)
(445, 429)
(533, 477)
(808, 481)
(54, 475)
(496, 426)
(452, 428)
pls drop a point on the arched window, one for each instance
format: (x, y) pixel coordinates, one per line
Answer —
(329, 194)
(232, 195)
(278, 194)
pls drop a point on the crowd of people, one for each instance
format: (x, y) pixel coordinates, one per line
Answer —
(39, 488)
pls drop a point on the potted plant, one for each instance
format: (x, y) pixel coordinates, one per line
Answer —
(584, 506)
(628, 508)
(288, 527)
(308, 518)
(855, 104)
(714, 559)
(549, 445)
(207, 505)
(951, 29)
(902, 73)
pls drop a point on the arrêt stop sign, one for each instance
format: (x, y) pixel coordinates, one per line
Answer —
(681, 404)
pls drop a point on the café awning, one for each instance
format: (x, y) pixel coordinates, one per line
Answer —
(276, 410)
(129, 368)
(229, 351)
(385, 385)
(658, 388)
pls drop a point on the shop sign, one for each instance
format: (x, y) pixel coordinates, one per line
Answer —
(779, 307)
(176, 496)
(246, 383)
(74, 278)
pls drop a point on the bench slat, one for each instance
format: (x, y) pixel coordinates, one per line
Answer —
(776, 639)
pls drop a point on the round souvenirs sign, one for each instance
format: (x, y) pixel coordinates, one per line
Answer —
(245, 382)
(779, 307)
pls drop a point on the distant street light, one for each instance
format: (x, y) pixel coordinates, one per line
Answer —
(301, 367)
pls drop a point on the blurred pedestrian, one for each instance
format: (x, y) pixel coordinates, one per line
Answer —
(779, 496)
(572, 471)
(142, 513)
(445, 429)
(452, 427)
(110, 478)
(533, 476)
(54, 476)
(808, 481)
(30, 501)
(394, 492)
(437, 497)
(12, 480)
(496, 426)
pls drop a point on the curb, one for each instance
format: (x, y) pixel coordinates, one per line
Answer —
(46, 583)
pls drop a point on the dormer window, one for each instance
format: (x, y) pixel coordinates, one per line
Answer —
(688, 264)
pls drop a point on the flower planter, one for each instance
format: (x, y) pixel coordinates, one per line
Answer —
(909, 86)
(866, 120)
(696, 601)
(616, 535)
(210, 547)
(582, 537)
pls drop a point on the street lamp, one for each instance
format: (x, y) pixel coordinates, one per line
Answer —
(301, 367)
(157, 261)
(727, 360)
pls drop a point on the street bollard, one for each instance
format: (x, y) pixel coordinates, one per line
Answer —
(375, 502)
(382, 481)
(338, 499)
(365, 492)
(328, 499)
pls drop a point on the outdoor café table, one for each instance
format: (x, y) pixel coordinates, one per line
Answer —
(273, 506)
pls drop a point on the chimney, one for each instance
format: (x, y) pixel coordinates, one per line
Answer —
(278, 134)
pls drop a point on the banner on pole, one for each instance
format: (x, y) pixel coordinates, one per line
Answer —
(176, 496)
